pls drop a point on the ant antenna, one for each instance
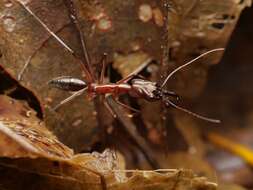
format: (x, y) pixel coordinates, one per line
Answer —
(188, 63)
(192, 113)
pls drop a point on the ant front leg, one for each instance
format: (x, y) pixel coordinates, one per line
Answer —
(136, 71)
(129, 77)
(105, 102)
(113, 113)
(125, 106)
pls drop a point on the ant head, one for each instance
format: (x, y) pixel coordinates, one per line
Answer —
(145, 89)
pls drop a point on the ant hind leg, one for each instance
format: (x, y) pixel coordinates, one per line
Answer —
(70, 98)
(28, 61)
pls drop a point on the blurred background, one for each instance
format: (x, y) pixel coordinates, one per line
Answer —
(229, 92)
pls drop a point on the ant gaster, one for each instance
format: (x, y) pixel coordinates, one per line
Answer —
(137, 88)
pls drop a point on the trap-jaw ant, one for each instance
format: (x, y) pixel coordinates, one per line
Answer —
(137, 87)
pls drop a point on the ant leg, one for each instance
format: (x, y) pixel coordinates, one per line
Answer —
(86, 68)
(168, 102)
(102, 75)
(70, 98)
(109, 108)
(46, 27)
(21, 73)
(135, 72)
(126, 106)
(129, 127)
(74, 19)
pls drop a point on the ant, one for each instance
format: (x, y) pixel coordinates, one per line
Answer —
(134, 87)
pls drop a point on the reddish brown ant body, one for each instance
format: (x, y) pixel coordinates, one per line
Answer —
(137, 88)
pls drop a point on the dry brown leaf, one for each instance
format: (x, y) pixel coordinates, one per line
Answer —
(32, 158)
(23, 135)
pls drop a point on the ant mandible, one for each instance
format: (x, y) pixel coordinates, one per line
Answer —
(137, 88)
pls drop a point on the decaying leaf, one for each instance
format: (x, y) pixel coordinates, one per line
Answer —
(230, 187)
(23, 135)
(32, 158)
(29, 152)
(30, 41)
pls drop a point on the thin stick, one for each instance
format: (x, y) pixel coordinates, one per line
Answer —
(192, 113)
(188, 63)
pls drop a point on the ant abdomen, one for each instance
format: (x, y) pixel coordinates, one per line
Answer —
(67, 83)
